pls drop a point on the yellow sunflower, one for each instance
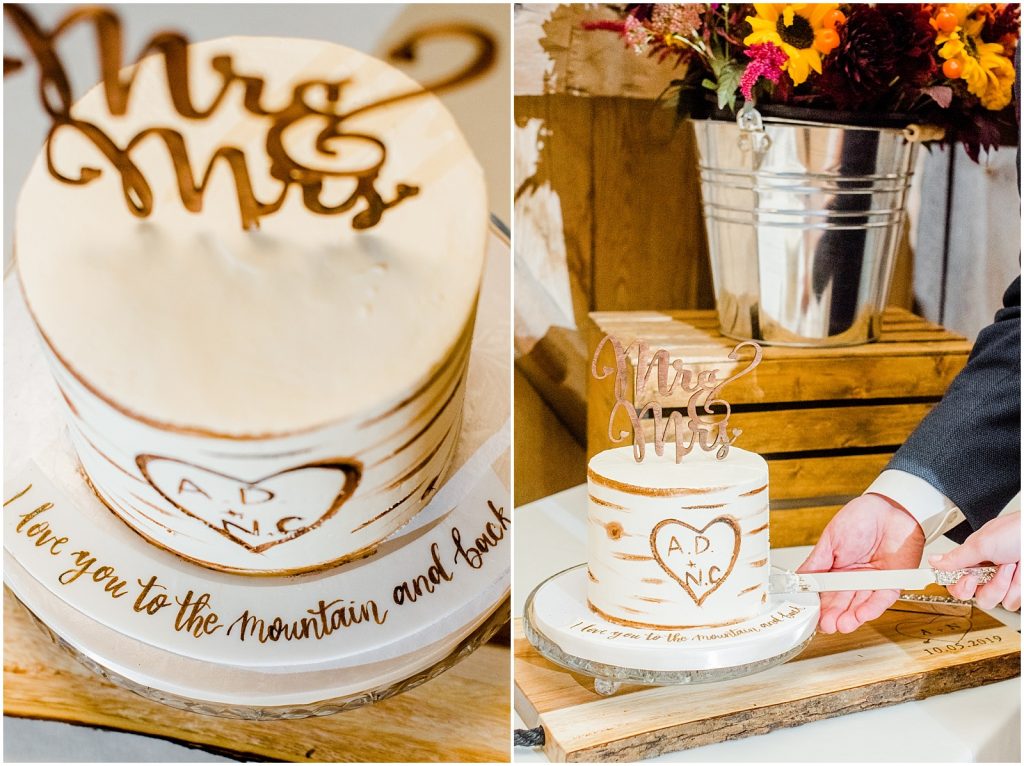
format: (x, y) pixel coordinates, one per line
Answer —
(984, 67)
(798, 29)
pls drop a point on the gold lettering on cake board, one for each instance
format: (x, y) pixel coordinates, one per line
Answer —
(332, 142)
(86, 567)
(703, 422)
(39, 532)
(194, 613)
(326, 618)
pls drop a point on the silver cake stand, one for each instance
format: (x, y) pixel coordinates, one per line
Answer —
(560, 625)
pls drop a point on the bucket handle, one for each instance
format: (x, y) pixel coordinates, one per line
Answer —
(752, 134)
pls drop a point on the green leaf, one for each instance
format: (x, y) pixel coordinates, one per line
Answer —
(728, 84)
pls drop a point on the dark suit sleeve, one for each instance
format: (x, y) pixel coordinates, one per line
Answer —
(968, 447)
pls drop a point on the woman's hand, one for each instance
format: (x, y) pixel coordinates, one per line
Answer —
(869, 532)
(997, 542)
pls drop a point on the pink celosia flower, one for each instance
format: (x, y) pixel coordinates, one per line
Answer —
(676, 18)
(766, 60)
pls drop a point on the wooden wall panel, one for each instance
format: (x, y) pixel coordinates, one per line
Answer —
(650, 249)
(566, 163)
(548, 457)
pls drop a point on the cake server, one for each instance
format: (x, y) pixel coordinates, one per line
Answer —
(783, 581)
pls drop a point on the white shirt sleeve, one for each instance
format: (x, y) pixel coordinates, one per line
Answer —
(935, 512)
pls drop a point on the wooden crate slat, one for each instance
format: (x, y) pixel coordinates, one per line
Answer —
(882, 377)
(717, 348)
(799, 526)
(678, 338)
(701, 315)
(893, 319)
(709, 329)
(809, 429)
(833, 476)
(891, 314)
(918, 334)
(658, 333)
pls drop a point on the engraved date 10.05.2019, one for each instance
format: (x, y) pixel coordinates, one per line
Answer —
(959, 646)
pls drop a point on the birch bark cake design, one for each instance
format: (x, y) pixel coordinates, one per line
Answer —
(677, 545)
(260, 378)
(678, 537)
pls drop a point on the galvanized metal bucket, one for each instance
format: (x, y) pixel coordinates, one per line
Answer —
(803, 221)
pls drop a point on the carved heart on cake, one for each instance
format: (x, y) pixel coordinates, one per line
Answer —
(255, 514)
(700, 560)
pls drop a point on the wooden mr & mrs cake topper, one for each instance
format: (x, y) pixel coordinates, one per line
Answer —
(315, 100)
(704, 422)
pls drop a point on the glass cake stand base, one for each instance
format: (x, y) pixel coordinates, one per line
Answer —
(86, 647)
(560, 625)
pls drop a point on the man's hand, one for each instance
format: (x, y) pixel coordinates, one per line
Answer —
(997, 542)
(869, 532)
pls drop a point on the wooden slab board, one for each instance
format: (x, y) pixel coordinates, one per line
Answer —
(462, 715)
(901, 656)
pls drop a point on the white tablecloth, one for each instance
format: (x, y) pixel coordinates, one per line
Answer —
(981, 724)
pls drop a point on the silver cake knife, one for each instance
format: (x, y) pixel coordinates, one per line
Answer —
(783, 581)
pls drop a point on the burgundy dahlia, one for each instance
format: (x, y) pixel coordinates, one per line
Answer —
(911, 29)
(864, 64)
(1002, 25)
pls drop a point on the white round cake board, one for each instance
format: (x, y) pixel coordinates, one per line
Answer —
(417, 637)
(561, 624)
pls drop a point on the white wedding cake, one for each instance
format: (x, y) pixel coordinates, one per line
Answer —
(273, 400)
(677, 545)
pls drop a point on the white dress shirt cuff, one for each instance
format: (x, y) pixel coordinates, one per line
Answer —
(935, 512)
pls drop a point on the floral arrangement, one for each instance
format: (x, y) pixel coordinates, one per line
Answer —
(947, 65)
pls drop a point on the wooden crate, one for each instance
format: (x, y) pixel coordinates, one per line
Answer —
(900, 656)
(826, 419)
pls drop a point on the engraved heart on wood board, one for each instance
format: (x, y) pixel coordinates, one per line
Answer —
(255, 514)
(944, 628)
(700, 560)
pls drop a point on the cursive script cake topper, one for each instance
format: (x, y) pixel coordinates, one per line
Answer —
(704, 422)
(317, 100)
